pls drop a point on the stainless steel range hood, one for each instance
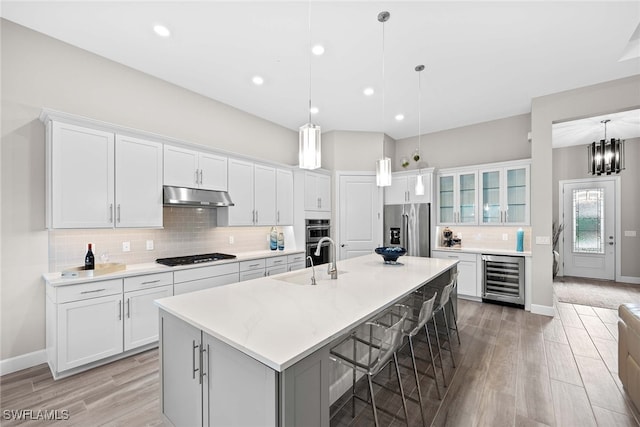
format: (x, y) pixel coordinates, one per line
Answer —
(191, 197)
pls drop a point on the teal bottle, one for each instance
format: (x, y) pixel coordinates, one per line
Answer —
(273, 239)
(520, 240)
(281, 241)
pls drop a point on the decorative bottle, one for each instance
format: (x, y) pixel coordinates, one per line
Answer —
(520, 240)
(89, 260)
(281, 241)
(273, 239)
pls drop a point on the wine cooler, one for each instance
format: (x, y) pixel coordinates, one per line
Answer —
(503, 279)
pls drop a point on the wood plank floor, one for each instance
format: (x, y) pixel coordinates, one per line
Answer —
(514, 368)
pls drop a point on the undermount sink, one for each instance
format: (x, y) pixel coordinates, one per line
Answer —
(304, 277)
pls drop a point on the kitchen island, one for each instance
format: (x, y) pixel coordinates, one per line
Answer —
(257, 352)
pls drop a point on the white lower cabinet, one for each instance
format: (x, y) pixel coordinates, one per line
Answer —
(296, 262)
(468, 284)
(196, 279)
(141, 315)
(252, 269)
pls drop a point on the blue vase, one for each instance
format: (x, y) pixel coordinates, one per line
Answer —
(273, 239)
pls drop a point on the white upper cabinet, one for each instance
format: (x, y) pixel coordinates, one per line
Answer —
(284, 197)
(252, 188)
(80, 189)
(317, 192)
(403, 188)
(458, 197)
(505, 195)
(194, 169)
(138, 182)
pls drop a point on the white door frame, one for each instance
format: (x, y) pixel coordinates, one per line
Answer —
(335, 215)
(617, 216)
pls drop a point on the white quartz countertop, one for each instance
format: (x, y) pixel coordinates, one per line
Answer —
(56, 279)
(483, 251)
(279, 323)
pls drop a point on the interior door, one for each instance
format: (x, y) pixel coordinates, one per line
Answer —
(360, 215)
(589, 235)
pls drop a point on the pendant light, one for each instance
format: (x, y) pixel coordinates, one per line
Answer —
(419, 183)
(605, 156)
(309, 156)
(383, 166)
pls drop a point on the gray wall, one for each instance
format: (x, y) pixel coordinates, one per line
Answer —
(571, 163)
(616, 95)
(494, 141)
(38, 71)
(354, 151)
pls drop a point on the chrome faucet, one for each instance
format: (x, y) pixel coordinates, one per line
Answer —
(332, 269)
(313, 271)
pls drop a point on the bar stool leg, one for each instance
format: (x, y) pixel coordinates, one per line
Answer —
(435, 327)
(415, 373)
(433, 365)
(455, 321)
(373, 402)
(404, 402)
(446, 323)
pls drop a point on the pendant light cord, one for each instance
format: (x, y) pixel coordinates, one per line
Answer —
(383, 90)
(419, 111)
(309, 53)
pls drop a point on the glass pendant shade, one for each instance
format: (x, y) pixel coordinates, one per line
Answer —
(419, 186)
(383, 172)
(309, 147)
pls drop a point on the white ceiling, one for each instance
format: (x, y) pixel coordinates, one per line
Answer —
(484, 60)
(621, 125)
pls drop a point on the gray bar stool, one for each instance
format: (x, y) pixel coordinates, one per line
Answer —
(442, 307)
(369, 349)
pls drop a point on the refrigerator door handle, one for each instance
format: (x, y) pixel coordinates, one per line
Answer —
(405, 230)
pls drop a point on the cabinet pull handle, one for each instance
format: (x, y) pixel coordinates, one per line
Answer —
(208, 367)
(150, 282)
(254, 265)
(253, 216)
(278, 217)
(95, 290)
(118, 216)
(196, 176)
(200, 351)
(193, 360)
(277, 261)
(120, 310)
(128, 308)
(256, 217)
(111, 213)
(200, 176)
(319, 202)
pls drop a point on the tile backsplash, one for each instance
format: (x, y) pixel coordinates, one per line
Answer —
(482, 237)
(186, 231)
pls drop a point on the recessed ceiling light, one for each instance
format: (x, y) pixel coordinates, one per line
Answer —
(257, 80)
(399, 117)
(161, 30)
(368, 91)
(317, 49)
(314, 110)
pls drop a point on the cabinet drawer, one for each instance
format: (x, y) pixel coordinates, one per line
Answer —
(88, 290)
(251, 274)
(204, 272)
(296, 266)
(271, 271)
(147, 281)
(296, 258)
(462, 256)
(276, 261)
(254, 264)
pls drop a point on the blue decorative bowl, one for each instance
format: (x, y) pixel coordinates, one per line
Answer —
(391, 253)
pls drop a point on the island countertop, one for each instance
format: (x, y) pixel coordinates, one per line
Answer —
(278, 322)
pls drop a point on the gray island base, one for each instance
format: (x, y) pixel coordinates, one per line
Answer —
(257, 352)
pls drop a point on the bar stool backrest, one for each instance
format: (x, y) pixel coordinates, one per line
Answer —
(426, 311)
(446, 292)
(391, 341)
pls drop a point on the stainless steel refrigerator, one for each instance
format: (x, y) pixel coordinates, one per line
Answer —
(408, 226)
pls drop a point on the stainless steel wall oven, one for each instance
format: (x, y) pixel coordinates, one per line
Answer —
(315, 230)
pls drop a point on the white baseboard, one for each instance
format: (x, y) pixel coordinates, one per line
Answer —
(628, 279)
(545, 310)
(24, 361)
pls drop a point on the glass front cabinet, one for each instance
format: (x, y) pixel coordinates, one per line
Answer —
(457, 198)
(504, 195)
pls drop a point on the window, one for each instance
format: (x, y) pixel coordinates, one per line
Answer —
(588, 221)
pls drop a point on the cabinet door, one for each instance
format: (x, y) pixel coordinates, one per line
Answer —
(180, 167)
(310, 191)
(241, 192)
(272, 271)
(467, 280)
(231, 373)
(181, 376)
(467, 199)
(411, 188)
(490, 196)
(89, 330)
(138, 182)
(516, 195)
(284, 197)
(82, 169)
(396, 193)
(298, 265)
(252, 274)
(141, 316)
(264, 195)
(213, 172)
(446, 199)
(324, 192)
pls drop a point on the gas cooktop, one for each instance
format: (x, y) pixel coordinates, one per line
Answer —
(193, 259)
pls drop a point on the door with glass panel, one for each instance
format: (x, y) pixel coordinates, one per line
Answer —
(457, 198)
(589, 234)
(505, 195)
